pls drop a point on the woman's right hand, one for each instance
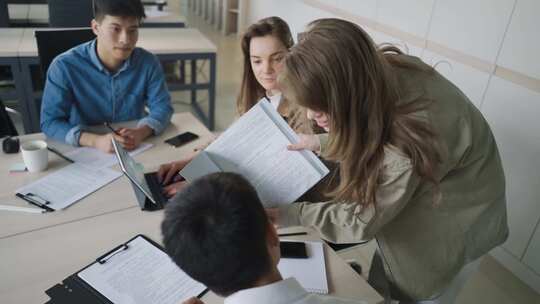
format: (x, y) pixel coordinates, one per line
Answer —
(167, 172)
(307, 142)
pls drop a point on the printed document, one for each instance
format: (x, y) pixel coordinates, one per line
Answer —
(255, 146)
(97, 159)
(142, 273)
(69, 184)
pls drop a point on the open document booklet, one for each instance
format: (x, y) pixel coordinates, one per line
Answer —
(255, 146)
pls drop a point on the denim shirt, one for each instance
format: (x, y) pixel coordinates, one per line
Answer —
(81, 92)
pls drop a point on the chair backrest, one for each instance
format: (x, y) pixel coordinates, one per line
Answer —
(4, 14)
(70, 13)
(52, 43)
(6, 124)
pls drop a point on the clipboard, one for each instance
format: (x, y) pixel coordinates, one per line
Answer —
(75, 289)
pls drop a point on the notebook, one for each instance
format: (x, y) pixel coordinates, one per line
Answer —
(310, 272)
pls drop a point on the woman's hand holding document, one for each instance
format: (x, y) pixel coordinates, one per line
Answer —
(255, 146)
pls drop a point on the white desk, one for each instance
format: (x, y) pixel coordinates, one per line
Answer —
(114, 197)
(169, 44)
(25, 14)
(163, 18)
(38, 251)
(159, 41)
(38, 14)
(33, 262)
(18, 13)
(11, 39)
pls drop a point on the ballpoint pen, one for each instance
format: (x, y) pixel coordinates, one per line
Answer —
(111, 128)
(293, 234)
(53, 150)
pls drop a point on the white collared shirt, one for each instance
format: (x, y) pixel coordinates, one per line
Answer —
(283, 292)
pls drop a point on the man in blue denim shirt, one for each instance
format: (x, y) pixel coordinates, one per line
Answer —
(106, 80)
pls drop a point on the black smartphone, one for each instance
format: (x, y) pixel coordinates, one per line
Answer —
(182, 139)
(293, 250)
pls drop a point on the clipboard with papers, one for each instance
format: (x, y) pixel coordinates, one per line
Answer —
(64, 187)
(138, 271)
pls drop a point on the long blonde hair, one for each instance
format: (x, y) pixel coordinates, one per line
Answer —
(336, 69)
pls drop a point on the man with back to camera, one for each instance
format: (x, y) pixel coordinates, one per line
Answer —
(216, 230)
(107, 79)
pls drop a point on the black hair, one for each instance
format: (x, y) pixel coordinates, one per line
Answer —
(119, 8)
(216, 231)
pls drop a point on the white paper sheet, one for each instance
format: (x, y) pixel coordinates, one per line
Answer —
(310, 272)
(97, 159)
(141, 274)
(255, 146)
(69, 184)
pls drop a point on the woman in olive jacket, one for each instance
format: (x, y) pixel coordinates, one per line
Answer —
(419, 167)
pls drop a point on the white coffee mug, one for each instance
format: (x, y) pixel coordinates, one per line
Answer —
(35, 155)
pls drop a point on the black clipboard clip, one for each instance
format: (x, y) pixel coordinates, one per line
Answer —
(104, 258)
(34, 199)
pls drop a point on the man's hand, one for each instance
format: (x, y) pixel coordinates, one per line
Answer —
(273, 215)
(193, 301)
(100, 142)
(307, 142)
(174, 188)
(134, 137)
(167, 172)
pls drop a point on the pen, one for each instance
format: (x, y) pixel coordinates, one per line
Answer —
(111, 128)
(33, 201)
(53, 150)
(292, 234)
(21, 209)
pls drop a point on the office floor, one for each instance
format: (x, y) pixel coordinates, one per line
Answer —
(492, 284)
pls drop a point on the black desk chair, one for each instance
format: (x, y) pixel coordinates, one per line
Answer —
(70, 13)
(51, 43)
(6, 124)
(4, 14)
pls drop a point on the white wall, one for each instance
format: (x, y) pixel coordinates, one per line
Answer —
(490, 50)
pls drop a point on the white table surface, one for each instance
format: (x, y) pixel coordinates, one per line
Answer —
(38, 13)
(33, 262)
(115, 196)
(155, 40)
(153, 15)
(18, 12)
(38, 251)
(10, 39)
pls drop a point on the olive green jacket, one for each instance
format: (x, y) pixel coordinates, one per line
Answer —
(423, 244)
